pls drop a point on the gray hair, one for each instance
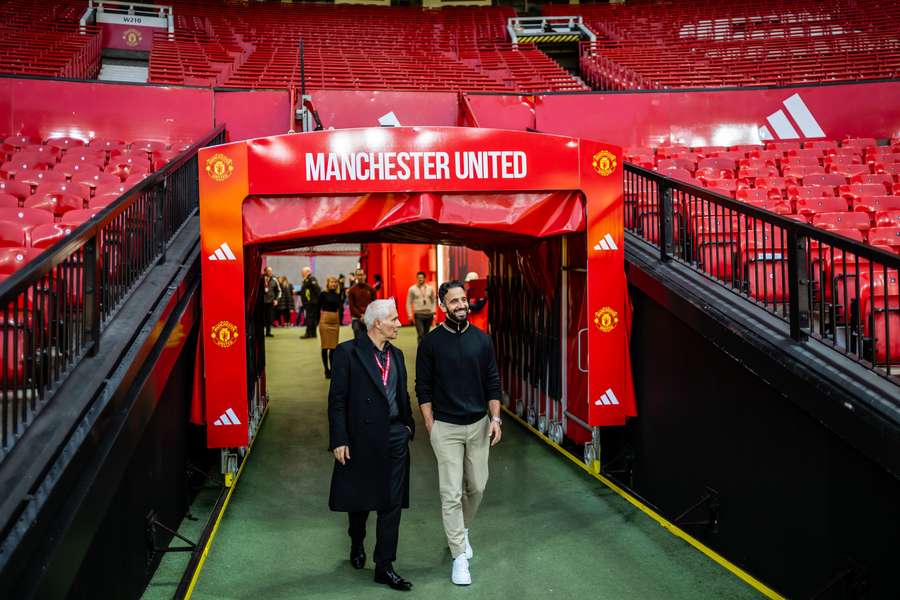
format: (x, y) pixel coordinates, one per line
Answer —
(378, 310)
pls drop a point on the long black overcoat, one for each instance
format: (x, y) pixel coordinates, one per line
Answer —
(358, 417)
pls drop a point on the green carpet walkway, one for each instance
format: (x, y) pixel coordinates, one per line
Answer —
(546, 529)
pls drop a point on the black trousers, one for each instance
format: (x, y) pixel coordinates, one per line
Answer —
(358, 326)
(268, 316)
(423, 324)
(387, 529)
(312, 319)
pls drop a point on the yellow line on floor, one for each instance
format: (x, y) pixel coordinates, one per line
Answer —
(212, 535)
(665, 523)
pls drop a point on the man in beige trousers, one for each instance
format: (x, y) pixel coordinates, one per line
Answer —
(458, 388)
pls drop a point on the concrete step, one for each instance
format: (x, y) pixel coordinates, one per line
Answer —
(118, 72)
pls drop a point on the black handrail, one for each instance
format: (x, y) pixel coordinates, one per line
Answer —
(54, 309)
(825, 286)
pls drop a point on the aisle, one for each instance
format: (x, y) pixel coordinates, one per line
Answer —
(545, 528)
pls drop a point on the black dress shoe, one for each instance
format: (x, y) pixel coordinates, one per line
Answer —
(388, 576)
(358, 556)
(327, 374)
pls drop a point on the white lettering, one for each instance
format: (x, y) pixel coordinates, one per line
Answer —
(315, 167)
(428, 165)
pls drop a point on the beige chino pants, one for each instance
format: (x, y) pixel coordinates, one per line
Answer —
(462, 457)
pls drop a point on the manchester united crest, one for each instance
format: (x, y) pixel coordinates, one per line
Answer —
(604, 163)
(219, 167)
(606, 319)
(132, 37)
(224, 334)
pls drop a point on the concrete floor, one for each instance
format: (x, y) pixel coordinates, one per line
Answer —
(545, 528)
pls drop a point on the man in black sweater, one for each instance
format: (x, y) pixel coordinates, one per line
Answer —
(457, 384)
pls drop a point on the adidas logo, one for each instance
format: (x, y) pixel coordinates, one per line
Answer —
(607, 243)
(783, 126)
(229, 418)
(223, 252)
(607, 399)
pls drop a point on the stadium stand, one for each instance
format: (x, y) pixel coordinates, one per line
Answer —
(702, 43)
(351, 47)
(49, 187)
(45, 39)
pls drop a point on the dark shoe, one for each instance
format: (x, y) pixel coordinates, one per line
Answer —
(358, 556)
(388, 576)
(269, 335)
(327, 374)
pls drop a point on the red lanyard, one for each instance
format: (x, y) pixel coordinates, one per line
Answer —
(385, 369)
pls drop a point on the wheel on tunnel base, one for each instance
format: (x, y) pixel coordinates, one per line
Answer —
(542, 424)
(556, 432)
(520, 408)
(589, 455)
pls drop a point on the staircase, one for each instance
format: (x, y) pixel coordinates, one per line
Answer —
(118, 69)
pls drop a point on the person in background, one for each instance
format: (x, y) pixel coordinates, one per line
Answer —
(370, 426)
(420, 304)
(286, 302)
(271, 294)
(378, 284)
(309, 296)
(342, 292)
(476, 292)
(329, 322)
(359, 297)
(458, 388)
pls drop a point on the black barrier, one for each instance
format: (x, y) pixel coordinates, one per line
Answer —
(53, 311)
(828, 287)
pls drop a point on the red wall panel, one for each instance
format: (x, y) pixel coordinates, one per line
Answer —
(362, 108)
(253, 114)
(45, 108)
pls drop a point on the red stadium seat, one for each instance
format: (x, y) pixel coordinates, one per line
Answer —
(827, 179)
(885, 236)
(892, 169)
(811, 206)
(800, 171)
(888, 218)
(65, 142)
(74, 218)
(813, 162)
(9, 201)
(706, 173)
(28, 217)
(874, 204)
(778, 206)
(74, 170)
(816, 191)
(821, 144)
(748, 194)
(36, 178)
(12, 235)
(108, 144)
(66, 188)
(149, 145)
(19, 189)
(94, 180)
(849, 171)
(103, 200)
(44, 236)
(723, 164)
(55, 202)
(676, 163)
(866, 178)
(879, 310)
(855, 190)
(859, 142)
(13, 259)
(680, 175)
(842, 220)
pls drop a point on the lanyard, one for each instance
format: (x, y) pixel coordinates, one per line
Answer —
(385, 369)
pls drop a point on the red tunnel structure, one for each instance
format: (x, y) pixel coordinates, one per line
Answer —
(492, 189)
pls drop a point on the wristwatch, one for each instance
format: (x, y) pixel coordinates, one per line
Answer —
(497, 420)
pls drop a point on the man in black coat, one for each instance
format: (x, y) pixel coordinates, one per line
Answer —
(371, 424)
(271, 294)
(309, 296)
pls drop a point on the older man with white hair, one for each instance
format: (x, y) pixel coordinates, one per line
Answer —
(371, 424)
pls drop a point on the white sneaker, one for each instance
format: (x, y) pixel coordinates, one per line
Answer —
(468, 546)
(461, 574)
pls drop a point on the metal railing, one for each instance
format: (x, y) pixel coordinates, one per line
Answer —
(54, 310)
(827, 287)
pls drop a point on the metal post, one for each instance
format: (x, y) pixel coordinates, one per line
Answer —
(302, 72)
(92, 316)
(665, 219)
(798, 284)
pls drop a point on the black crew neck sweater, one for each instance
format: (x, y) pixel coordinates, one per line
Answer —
(457, 373)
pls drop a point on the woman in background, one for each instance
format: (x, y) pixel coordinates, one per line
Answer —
(329, 322)
(286, 302)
